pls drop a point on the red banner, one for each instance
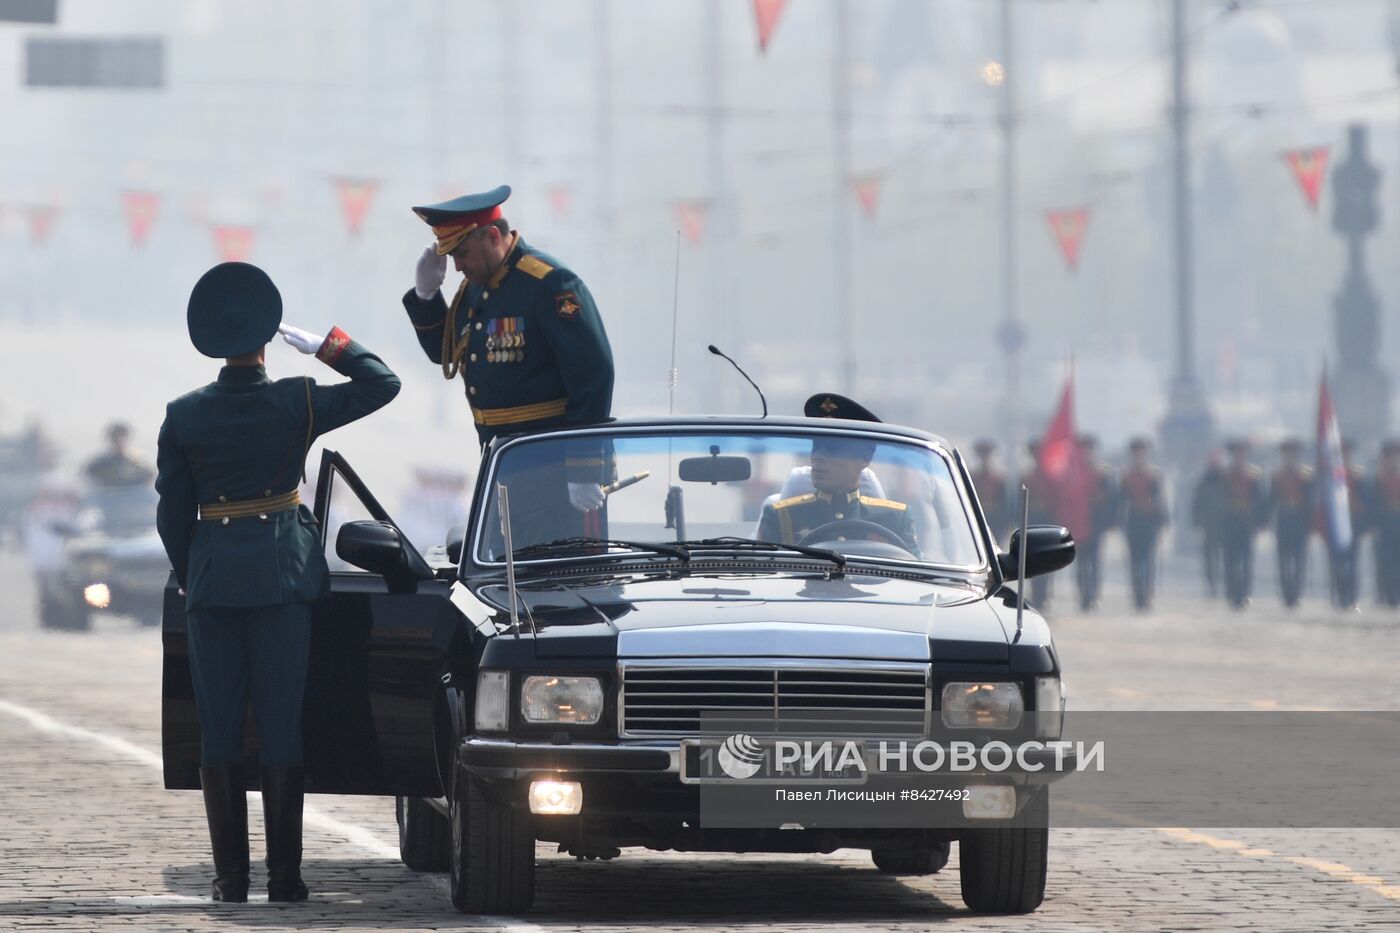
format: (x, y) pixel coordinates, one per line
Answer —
(766, 14)
(1068, 226)
(867, 189)
(691, 216)
(1063, 463)
(1310, 169)
(560, 199)
(355, 197)
(41, 221)
(233, 243)
(141, 207)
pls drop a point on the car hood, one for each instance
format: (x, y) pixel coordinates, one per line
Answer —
(858, 616)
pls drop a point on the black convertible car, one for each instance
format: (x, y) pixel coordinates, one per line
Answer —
(573, 677)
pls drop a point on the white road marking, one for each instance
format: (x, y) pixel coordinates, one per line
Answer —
(357, 836)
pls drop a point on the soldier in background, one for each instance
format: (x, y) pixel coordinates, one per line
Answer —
(1145, 513)
(1207, 514)
(1103, 516)
(1291, 502)
(1346, 588)
(1385, 511)
(1246, 509)
(1043, 511)
(119, 465)
(993, 491)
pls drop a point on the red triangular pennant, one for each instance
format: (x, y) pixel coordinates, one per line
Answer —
(1068, 226)
(141, 207)
(1310, 168)
(867, 190)
(233, 243)
(766, 14)
(560, 199)
(355, 197)
(691, 216)
(41, 221)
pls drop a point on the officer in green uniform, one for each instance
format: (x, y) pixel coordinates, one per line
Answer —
(247, 554)
(527, 340)
(836, 500)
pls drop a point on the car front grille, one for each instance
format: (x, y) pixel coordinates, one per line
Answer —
(663, 700)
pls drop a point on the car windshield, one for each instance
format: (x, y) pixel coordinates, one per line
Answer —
(119, 509)
(849, 495)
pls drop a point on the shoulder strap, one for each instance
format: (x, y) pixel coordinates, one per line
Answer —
(310, 427)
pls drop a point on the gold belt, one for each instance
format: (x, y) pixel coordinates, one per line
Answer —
(250, 508)
(519, 413)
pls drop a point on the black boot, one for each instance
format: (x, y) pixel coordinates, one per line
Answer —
(226, 805)
(282, 793)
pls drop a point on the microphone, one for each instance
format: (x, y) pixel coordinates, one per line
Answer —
(716, 351)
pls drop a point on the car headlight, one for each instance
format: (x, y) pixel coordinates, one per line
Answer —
(550, 698)
(984, 705)
(1049, 707)
(493, 701)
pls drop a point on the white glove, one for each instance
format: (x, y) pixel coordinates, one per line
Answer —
(586, 497)
(432, 269)
(303, 340)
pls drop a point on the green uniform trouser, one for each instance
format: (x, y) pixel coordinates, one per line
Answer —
(258, 653)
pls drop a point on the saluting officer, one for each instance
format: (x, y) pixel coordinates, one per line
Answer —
(1291, 500)
(1246, 507)
(247, 554)
(1145, 514)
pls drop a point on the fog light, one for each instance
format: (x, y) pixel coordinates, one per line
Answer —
(556, 798)
(990, 803)
(98, 595)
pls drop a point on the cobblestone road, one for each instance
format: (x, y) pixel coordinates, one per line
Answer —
(90, 840)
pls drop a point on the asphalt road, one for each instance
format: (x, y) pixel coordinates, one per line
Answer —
(90, 840)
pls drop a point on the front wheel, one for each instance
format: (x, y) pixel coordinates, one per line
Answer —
(425, 837)
(493, 851)
(1003, 870)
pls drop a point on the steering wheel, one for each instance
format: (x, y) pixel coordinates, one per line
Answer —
(854, 528)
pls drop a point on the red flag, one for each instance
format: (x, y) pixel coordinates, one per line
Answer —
(867, 190)
(41, 220)
(1333, 501)
(355, 196)
(691, 216)
(233, 243)
(1068, 226)
(1062, 462)
(560, 199)
(767, 13)
(141, 209)
(1310, 168)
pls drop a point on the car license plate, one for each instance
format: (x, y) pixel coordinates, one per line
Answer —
(742, 759)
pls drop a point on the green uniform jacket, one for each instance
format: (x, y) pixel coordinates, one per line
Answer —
(530, 344)
(788, 520)
(245, 437)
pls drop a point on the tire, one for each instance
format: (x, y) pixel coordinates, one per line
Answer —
(1003, 870)
(493, 852)
(425, 835)
(911, 861)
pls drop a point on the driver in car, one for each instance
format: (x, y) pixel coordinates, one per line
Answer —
(837, 510)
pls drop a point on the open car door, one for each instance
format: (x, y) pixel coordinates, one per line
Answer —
(379, 649)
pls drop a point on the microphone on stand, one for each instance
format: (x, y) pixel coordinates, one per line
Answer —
(716, 351)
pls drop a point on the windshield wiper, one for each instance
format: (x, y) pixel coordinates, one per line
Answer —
(583, 541)
(731, 542)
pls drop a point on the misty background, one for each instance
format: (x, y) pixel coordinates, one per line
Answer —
(612, 118)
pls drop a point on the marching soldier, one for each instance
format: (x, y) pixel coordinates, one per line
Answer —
(1207, 514)
(993, 490)
(527, 340)
(1044, 507)
(1385, 498)
(247, 553)
(1145, 514)
(1246, 507)
(1291, 502)
(1102, 514)
(1346, 589)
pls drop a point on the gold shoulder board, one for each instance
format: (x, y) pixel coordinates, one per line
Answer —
(535, 267)
(795, 500)
(883, 503)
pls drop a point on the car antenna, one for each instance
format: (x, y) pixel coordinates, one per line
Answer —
(1021, 561)
(716, 351)
(503, 506)
(675, 316)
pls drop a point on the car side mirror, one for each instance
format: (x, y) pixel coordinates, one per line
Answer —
(456, 541)
(715, 469)
(378, 548)
(1048, 548)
